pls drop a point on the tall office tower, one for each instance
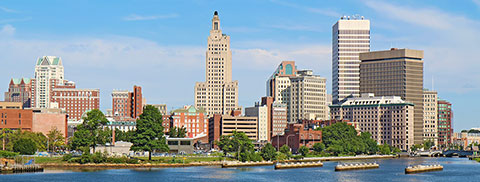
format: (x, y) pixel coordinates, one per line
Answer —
(396, 72)
(278, 85)
(218, 94)
(430, 114)
(445, 129)
(350, 37)
(48, 72)
(127, 104)
(20, 90)
(308, 97)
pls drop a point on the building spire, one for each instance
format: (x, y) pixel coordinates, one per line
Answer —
(215, 21)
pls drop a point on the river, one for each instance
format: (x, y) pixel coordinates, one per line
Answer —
(455, 169)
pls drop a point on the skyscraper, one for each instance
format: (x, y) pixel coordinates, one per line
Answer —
(396, 72)
(350, 36)
(48, 72)
(218, 94)
(20, 90)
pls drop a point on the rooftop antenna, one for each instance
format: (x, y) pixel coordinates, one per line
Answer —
(433, 84)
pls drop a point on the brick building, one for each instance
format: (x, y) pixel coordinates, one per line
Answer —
(34, 120)
(20, 90)
(445, 130)
(193, 119)
(127, 104)
(297, 135)
(75, 101)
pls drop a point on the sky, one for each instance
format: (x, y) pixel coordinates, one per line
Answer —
(160, 45)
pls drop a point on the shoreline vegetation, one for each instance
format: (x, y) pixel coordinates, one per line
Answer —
(56, 162)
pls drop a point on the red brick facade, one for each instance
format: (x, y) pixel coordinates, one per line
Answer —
(127, 104)
(75, 101)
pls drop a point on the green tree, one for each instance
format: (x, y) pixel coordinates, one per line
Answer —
(285, 149)
(25, 146)
(318, 147)
(385, 149)
(4, 134)
(149, 134)
(237, 142)
(427, 144)
(177, 132)
(91, 132)
(173, 133)
(55, 139)
(268, 152)
(303, 150)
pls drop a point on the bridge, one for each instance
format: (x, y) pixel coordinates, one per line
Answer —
(460, 153)
(447, 153)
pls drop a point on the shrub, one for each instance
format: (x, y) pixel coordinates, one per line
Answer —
(297, 157)
(67, 157)
(25, 146)
(7, 154)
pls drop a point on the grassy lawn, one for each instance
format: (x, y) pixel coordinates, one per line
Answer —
(42, 160)
(477, 159)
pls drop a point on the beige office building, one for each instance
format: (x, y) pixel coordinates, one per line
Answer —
(396, 72)
(218, 94)
(430, 115)
(388, 118)
(308, 97)
(247, 125)
(350, 36)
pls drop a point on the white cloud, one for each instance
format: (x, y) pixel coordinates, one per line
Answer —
(450, 42)
(477, 2)
(15, 20)
(135, 17)
(7, 30)
(7, 10)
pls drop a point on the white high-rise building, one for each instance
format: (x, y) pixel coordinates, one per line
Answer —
(351, 35)
(308, 97)
(261, 112)
(430, 115)
(218, 94)
(48, 72)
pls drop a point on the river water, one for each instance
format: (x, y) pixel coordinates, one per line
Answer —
(455, 169)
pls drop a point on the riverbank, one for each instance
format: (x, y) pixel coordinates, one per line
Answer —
(195, 162)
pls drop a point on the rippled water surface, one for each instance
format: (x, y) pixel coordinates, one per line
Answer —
(455, 169)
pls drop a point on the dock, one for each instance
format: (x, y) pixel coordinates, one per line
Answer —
(289, 165)
(245, 164)
(423, 168)
(21, 168)
(356, 166)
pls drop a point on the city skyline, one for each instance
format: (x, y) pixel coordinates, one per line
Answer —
(310, 51)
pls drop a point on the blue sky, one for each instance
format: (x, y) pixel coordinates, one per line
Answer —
(160, 45)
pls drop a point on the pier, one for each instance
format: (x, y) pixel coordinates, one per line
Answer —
(288, 165)
(21, 168)
(423, 168)
(356, 166)
(244, 164)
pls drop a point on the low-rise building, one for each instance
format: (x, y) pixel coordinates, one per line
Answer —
(261, 113)
(388, 119)
(235, 122)
(297, 135)
(161, 107)
(193, 119)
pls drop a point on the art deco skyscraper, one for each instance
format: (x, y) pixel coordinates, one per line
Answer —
(218, 94)
(350, 37)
